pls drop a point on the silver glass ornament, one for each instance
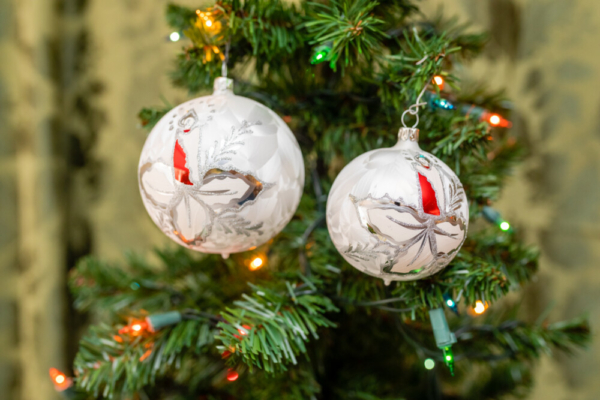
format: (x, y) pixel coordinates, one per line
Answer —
(399, 213)
(221, 173)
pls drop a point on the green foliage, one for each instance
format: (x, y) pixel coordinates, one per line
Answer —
(269, 329)
(108, 367)
(351, 27)
(308, 325)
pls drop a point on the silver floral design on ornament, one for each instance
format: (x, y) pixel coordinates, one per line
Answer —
(190, 204)
(414, 234)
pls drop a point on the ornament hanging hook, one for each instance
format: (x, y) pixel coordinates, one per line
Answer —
(414, 109)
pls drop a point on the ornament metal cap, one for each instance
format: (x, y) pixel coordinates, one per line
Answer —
(223, 85)
(408, 135)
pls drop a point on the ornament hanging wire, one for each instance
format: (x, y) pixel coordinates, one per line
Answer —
(414, 109)
(225, 60)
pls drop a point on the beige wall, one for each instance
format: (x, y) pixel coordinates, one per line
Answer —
(543, 51)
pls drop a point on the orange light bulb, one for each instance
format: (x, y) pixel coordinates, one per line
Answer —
(256, 263)
(495, 119)
(439, 80)
(136, 328)
(60, 380)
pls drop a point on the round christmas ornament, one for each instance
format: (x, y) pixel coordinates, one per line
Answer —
(221, 173)
(399, 213)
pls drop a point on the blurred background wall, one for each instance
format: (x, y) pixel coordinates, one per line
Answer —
(74, 73)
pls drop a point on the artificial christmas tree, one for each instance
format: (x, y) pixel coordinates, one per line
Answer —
(291, 319)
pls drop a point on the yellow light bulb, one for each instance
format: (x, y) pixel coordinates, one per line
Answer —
(209, 23)
(479, 307)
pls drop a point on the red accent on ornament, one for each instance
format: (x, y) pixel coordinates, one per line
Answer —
(182, 174)
(430, 205)
(232, 375)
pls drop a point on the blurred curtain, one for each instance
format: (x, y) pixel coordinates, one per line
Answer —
(45, 136)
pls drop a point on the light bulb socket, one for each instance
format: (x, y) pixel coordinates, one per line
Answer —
(443, 337)
(491, 215)
(159, 321)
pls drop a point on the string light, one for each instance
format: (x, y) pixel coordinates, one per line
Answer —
(151, 323)
(135, 328)
(205, 18)
(466, 109)
(232, 375)
(174, 37)
(439, 81)
(496, 120)
(480, 307)
(449, 359)
(494, 217)
(244, 331)
(256, 263)
(429, 364)
(321, 53)
(450, 303)
(60, 380)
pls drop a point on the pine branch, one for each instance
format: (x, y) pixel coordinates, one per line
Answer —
(269, 328)
(351, 27)
(108, 364)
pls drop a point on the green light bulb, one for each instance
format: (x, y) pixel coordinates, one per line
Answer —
(504, 226)
(429, 364)
(321, 54)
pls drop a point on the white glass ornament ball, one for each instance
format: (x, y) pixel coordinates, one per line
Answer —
(221, 173)
(398, 213)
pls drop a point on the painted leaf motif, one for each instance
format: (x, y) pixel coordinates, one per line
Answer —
(419, 240)
(157, 184)
(192, 220)
(229, 189)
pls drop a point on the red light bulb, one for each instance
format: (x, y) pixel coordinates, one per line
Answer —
(232, 375)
